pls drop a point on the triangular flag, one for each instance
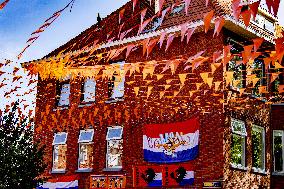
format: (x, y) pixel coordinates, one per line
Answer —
(162, 93)
(274, 76)
(167, 86)
(162, 38)
(198, 85)
(204, 76)
(159, 76)
(134, 4)
(254, 8)
(176, 93)
(257, 43)
(120, 16)
(277, 65)
(136, 90)
(183, 29)
(236, 9)
(275, 7)
(143, 13)
(170, 40)
(182, 78)
(186, 3)
(219, 23)
(246, 15)
(168, 81)
(207, 20)
(161, 2)
(262, 89)
(210, 81)
(281, 89)
(242, 90)
(217, 85)
(254, 81)
(149, 91)
(229, 76)
(174, 64)
(151, 45)
(145, 44)
(189, 34)
(129, 49)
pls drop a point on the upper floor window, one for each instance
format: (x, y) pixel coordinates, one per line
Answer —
(278, 150)
(114, 147)
(116, 84)
(85, 160)
(59, 151)
(258, 148)
(238, 144)
(63, 93)
(89, 90)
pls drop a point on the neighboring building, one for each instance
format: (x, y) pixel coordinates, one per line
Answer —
(103, 129)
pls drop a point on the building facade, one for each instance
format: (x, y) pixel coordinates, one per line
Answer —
(164, 114)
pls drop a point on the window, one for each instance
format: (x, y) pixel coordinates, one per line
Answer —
(59, 151)
(85, 160)
(178, 9)
(238, 143)
(116, 84)
(258, 148)
(114, 147)
(278, 152)
(64, 93)
(89, 90)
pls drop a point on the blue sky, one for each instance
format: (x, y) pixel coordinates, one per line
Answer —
(21, 17)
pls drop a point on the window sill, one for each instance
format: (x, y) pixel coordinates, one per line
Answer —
(239, 167)
(114, 100)
(58, 171)
(60, 108)
(259, 171)
(84, 170)
(112, 169)
(278, 173)
(86, 104)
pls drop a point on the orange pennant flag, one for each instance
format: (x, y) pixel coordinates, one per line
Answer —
(254, 81)
(159, 76)
(281, 89)
(2, 5)
(262, 89)
(219, 23)
(229, 77)
(162, 93)
(120, 17)
(170, 40)
(136, 90)
(149, 91)
(274, 76)
(254, 8)
(198, 85)
(217, 85)
(182, 78)
(257, 43)
(207, 20)
(183, 29)
(210, 81)
(204, 76)
(246, 15)
(278, 66)
(162, 37)
(167, 87)
(189, 34)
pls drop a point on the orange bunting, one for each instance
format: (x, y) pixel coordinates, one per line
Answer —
(246, 15)
(2, 5)
(207, 20)
(219, 23)
(170, 40)
(254, 8)
(257, 43)
(189, 33)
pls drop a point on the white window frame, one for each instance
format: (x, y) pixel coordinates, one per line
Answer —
(84, 91)
(110, 139)
(60, 97)
(262, 130)
(55, 145)
(282, 132)
(84, 142)
(121, 63)
(243, 135)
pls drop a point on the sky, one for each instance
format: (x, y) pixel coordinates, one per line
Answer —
(21, 17)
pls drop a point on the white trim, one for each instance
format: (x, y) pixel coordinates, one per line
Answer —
(242, 123)
(113, 128)
(85, 131)
(282, 133)
(60, 133)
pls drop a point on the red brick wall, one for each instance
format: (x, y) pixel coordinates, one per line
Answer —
(136, 111)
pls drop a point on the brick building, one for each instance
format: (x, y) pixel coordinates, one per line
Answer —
(93, 122)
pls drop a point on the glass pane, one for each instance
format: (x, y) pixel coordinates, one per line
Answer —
(89, 90)
(258, 148)
(64, 96)
(238, 127)
(86, 136)
(118, 88)
(114, 153)
(278, 152)
(114, 133)
(237, 150)
(85, 156)
(60, 138)
(59, 156)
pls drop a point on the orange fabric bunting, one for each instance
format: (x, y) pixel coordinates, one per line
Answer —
(2, 5)
(254, 8)
(189, 34)
(170, 40)
(219, 23)
(246, 15)
(257, 43)
(207, 20)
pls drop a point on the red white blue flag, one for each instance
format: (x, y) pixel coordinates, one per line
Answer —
(169, 143)
(64, 182)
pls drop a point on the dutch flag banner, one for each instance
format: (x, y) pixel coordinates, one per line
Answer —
(65, 182)
(173, 142)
